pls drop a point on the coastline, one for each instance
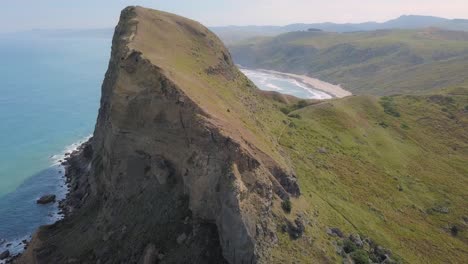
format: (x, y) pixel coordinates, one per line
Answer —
(334, 90)
(76, 168)
(68, 166)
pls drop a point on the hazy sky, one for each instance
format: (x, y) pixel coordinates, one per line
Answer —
(18, 15)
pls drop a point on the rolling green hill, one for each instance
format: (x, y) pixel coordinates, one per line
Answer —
(378, 62)
(391, 168)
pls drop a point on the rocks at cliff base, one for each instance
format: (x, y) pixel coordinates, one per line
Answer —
(295, 229)
(150, 254)
(46, 199)
(440, 209)
(358, 249)
(181, 238)
(5, 254)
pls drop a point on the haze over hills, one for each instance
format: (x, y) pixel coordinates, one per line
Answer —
(191, 163)
(232, 34)
(62, 33)
(377, 62)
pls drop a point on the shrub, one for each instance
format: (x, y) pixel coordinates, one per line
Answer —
(389, 106)
(285, 110)
(360, 257)
(383, 124)
(286, 205)
(288, 109)
(404, 126)
(349, 246)
(295, 116)
(301, 104)
(466, 107)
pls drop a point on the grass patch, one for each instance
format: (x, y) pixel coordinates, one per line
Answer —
(404, 126)
(290, 108)
(383, 124)
(389, 106)
(297, 116)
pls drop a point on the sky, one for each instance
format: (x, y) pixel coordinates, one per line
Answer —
(19, 15)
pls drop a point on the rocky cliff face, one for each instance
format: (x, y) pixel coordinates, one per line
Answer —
(179, 171)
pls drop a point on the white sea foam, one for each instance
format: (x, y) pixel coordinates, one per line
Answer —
(315, 93)
(274, 87)
(57, 158)
(269, 81)
(16, 246)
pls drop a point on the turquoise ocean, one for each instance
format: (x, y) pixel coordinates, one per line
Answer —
(49, 97)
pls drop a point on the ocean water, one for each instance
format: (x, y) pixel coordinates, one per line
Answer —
(273, 82)
(49, 97)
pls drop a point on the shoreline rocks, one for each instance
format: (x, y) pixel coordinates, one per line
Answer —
(46, 199)
(4, 255)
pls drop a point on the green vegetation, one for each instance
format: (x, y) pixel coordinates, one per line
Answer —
(383, 124)
(286, 205)
(404, 126)
(289, 108)
(360, 257)
(389, 106)
(379, 62)
(297, 116)
(349, 246)
(401, 180)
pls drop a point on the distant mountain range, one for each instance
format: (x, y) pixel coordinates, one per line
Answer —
(231, 34)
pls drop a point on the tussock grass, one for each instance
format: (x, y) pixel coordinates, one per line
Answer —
(382, 182)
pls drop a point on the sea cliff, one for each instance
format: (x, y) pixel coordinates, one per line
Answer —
(178, 169)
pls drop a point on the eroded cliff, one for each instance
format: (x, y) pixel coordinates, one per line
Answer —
(181, 168)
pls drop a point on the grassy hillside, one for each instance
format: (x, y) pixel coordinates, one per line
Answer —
(393, 169)
(390, 168)
(379, 62)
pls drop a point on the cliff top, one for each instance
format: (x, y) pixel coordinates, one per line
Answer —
(197, 62)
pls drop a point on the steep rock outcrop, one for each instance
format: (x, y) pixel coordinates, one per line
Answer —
(174, 176)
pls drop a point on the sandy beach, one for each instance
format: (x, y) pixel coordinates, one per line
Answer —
(332, 89)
